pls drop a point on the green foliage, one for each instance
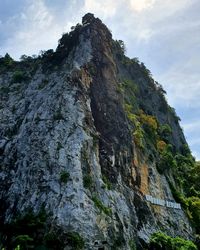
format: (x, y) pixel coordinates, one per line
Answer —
(185, 150)
(59, 146)
(165, 131)
(138, 133)
(128, 110)
(58, 116)
(24, 241)
(23, 231)
(4, 90)
(161, 146)
(64, 176)
(178, 196)
(129, 85)
(193, 204)
(52, 241)
(161, 241)
(187, 174)
(7, 60)
(160, 89)
(108, 184)
(129, 90)
(101, 206)
(145, 126)
(75, 240)
(118, 242)
(146, 71)
(135, 60)
(132, 245)
(37, 119)
(139, 137)
(150, 126)
(194, 177)
(24, 58)
(87, 182)
(18, 76)
(149, 120)
(184, 171)
(120, 45)
(166, 161)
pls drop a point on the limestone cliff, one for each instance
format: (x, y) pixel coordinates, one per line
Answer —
(80, 134)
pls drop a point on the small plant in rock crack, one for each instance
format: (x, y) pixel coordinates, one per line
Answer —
(58, 116)
(75, 240)
(64, 176)
(87, 181)
(59, 146)
(18, 77)
(108, 184)
(101, 206)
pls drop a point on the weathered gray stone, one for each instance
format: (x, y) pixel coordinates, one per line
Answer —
(75, 123)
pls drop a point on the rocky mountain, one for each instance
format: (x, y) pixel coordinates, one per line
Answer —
(92, 156)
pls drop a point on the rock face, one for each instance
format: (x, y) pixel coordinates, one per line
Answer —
(68, 146)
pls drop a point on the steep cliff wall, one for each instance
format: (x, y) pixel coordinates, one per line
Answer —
(70, 147)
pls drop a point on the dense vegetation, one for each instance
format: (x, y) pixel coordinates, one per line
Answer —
(31, 231)
(154, 137)
(160, 241)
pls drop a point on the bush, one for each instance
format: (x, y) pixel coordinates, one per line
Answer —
(130, 86)
(161, 241)
(194, 177)
(185, 150)
(101, 206)
(149, 125)
(26, 230)
(4, 90)
(87, 181)
(167, 160)
(52, 241)
(149, 120)
(161, 146)
(7, 60)
(194, 209)
(58, 116)
(108, 184)
(18, 77)
(75, 240)
(24, 241)
(138, 133)
(132, 245)
(165, 131)
(120, 46)
(64, 176)
(139, 137)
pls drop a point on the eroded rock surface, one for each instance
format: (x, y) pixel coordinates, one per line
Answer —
(67, 146)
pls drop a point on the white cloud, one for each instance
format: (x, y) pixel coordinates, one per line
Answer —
(189, 127)
(39, 29)
(145, 35)
(140, 5)
(182, 81)
(103, 8)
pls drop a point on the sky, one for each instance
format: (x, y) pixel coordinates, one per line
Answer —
(165, 35)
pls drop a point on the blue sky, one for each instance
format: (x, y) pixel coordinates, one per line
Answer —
(165, 35)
